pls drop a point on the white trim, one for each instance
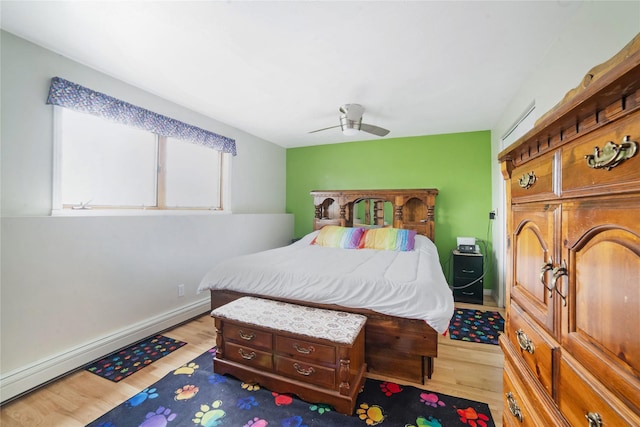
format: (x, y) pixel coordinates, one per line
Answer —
(526, 114)
(56, 199)
(37, 373)
(520, 119)
(137, 212)
(226, 159)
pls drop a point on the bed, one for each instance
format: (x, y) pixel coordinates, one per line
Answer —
(402, 292)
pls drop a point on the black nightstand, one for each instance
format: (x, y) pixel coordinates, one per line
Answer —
(467, 268)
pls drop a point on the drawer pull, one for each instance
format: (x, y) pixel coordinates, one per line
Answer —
(595, 420)
(513, 406)
(612, 154)
(527, 180)
(305, 372)
(547, 266)
(558, 272)
(468, 271)
(248, 336)
(525, 342)
(303, 350)
(248, 356)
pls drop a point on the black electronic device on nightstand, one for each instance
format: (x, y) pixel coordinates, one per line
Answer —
(468, 283)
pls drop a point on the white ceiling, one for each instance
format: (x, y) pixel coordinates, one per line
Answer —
(280, 69)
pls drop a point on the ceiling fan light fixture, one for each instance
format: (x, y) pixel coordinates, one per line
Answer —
(349, 127)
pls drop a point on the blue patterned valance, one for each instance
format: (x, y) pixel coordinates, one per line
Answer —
(76, 97)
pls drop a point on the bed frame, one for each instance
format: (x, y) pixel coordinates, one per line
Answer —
(396, 347)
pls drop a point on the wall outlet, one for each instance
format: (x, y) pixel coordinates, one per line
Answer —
(492, 214)
(181, 290)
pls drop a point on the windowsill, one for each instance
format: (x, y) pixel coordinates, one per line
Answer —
(137, 212)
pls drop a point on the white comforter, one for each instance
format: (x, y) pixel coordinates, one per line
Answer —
(404, 284)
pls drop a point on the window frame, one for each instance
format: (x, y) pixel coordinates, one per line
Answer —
(60, 209)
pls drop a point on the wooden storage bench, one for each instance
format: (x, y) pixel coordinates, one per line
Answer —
(314, 353)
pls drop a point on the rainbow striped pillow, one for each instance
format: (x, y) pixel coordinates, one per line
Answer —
(389, 239)
(335, 236)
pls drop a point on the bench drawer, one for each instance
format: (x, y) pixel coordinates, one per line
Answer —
(308, 372)
(248, 356)
(305, 350)
(246, 335)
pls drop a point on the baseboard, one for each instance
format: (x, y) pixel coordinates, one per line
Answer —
(28, 377)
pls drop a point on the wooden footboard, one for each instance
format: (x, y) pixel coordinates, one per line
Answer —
(394, 346)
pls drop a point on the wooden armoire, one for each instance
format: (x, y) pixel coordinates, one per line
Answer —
(572, 337)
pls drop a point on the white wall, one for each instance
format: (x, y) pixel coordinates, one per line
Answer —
(76, 288)
(599, 30)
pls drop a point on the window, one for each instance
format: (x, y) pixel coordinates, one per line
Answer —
(192, 174)
(103, 164)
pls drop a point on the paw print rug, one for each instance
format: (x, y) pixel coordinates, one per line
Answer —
(476, 326)
(193, 395)
(123, 363)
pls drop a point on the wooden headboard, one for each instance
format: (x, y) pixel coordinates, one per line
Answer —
(408, 208)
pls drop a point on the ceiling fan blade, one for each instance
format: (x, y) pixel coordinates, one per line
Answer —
(318, 130)
(375, 130)
(353, 112)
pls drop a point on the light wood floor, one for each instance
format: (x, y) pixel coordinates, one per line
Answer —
(463, 369)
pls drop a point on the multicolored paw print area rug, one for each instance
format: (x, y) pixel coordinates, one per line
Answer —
(476, 326)
(123, 363)
(193, 395)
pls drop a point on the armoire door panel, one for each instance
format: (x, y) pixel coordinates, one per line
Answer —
(600, 321)
(533, 260)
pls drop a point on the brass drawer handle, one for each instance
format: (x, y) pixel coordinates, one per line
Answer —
(304, 350)
(248, 356)
(513, 407)
(547, 266)
(612, 154)
(245, 336)
(525, 342)
(305, 372)
(527, 180)
(595, 420)
(558, 272)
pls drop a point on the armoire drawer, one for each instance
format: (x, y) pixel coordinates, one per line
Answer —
(536, 348)
(517, 410)
(533, 180)
(580, 396)
(520, 389)
(579, 179)
(521, 406)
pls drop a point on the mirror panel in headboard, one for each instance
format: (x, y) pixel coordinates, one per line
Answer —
(402, 208)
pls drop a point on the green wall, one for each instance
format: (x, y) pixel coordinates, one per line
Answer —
(457, 164)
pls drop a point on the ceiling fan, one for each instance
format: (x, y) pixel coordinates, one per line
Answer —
(351, 122)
